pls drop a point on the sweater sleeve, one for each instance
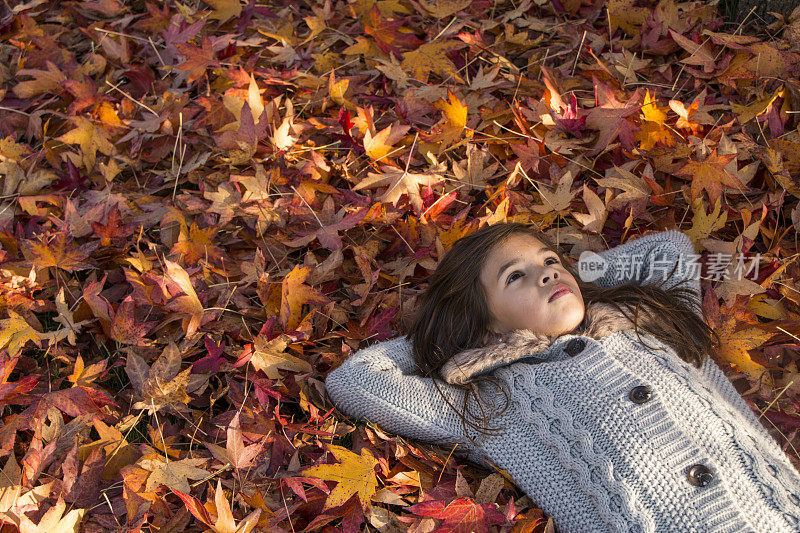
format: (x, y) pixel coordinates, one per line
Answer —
(376, 384)
(650, 260)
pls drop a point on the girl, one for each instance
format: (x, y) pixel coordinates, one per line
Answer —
(612, 417)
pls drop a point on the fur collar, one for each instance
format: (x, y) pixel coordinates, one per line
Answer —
(600, 320)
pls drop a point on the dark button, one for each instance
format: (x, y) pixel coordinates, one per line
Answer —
(575, 346)
(640, 394)
(699, 475)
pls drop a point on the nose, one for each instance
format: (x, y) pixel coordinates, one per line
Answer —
(548, 274)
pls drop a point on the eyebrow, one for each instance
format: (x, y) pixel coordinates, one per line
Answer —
(514, 261)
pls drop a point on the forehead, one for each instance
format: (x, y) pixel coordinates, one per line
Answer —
(514, 246)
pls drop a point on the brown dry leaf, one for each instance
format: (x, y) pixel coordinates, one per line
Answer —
(162, 385)
(558, 200)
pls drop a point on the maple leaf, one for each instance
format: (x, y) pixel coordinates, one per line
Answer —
(224, 521)
(596, 218)
(333, 223)
(54, 520)
(15, 332)
(118, 452)
(172, 474)
(355, 474)
(225, 9)
(432, 57)
(188, 303)
(66, 319)
(710, 175)
(653, 130)
(43, 81)
(269, 356)
(609, 118)
(570, 121)
(400, 182)
(112, 228)
(703, 224)
(59, 252)
(454, 122)
(197, 59)
(379, 146)
(295, 293)
(623, 14)
(560, 199)
(196, 245)
(90, 139)
(83, 376)
(462, 515)
(125, 328)
(387, 34)
(473, 172)
(734, 346)
(162, 385)
(235, 452)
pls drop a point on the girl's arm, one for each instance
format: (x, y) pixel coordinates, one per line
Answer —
(375, 383)
(649, 259)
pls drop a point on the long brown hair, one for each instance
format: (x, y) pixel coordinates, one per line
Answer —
(453, 315)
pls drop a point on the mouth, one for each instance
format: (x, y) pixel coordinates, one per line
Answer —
(560, 290)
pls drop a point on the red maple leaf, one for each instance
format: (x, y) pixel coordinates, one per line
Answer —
(462, 515)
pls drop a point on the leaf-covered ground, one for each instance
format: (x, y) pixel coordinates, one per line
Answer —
(206, 206)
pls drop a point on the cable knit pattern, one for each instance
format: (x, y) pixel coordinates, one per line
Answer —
(577, 443)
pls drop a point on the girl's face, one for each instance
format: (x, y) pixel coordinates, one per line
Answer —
(524, 282)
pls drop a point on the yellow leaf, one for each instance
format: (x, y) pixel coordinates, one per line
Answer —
(653, 130)
(225, 9)
(444, 8)
(735, 344)
(623, 14)
(54, 520)
(381, 145)
(431, 57)
(90, 139)
(173, 474)
(269, 356)
(703, 224)
(355, 474)
(15, 333)
(337, 89)
(225, 522)
(295, 293)
(188, 303)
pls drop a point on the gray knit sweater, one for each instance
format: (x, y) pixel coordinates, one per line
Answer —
(611, 436)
